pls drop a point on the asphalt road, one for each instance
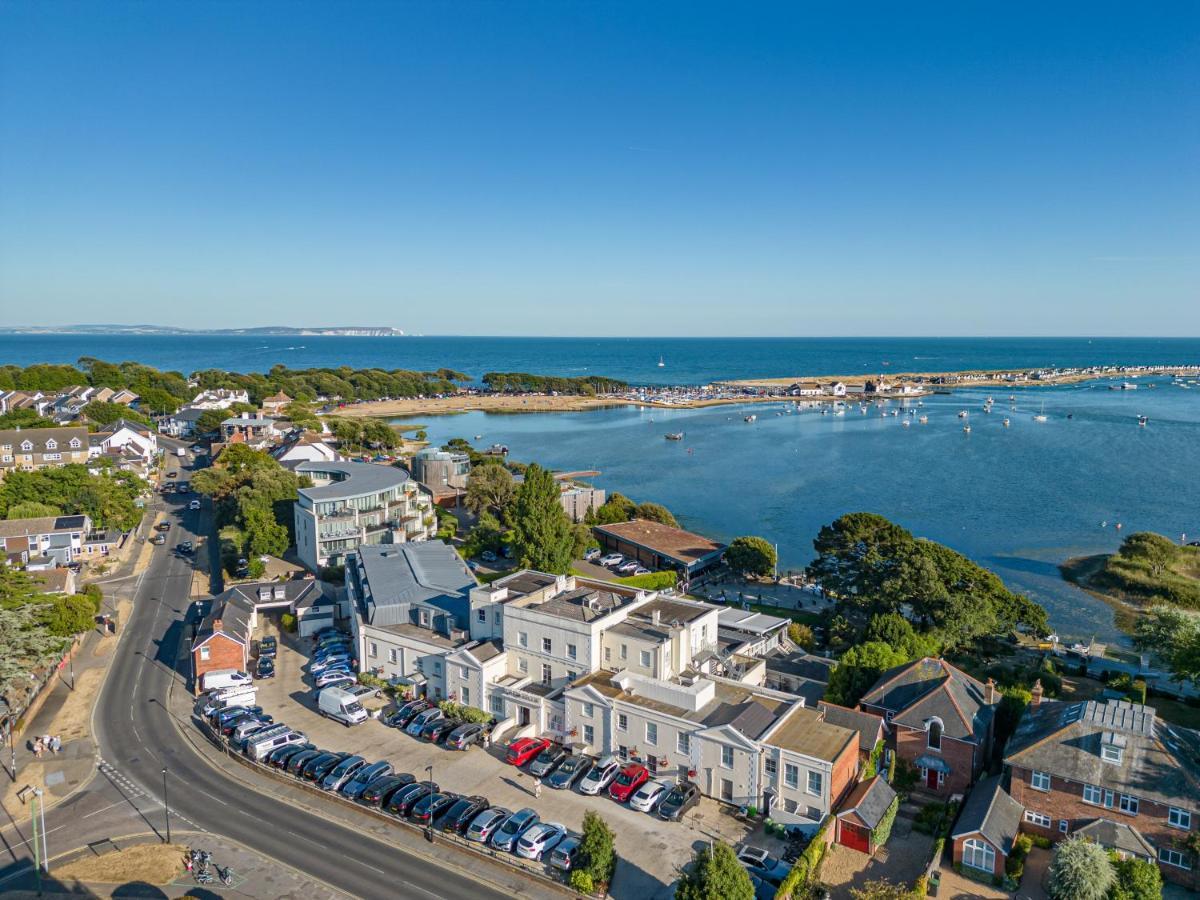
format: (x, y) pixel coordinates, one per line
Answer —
(137, 738)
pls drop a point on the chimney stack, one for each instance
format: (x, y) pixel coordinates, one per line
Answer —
(654, 616)
(1036, 698)
(216, 624)
(989, 692)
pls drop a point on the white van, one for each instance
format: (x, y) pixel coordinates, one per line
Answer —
(259, 746)
(341, 705)
(240, 695)
(223, 678)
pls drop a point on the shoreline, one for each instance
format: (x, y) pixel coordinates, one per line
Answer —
(761, 390)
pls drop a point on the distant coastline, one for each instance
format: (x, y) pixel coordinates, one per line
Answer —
(262, 331)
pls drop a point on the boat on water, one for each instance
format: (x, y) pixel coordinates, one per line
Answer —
(962, 413)
(839, 412)
(1142, 420)
(750, 418)
(966, 429)
(924, 420)
(661, 364)
(1006, 423)
(906, 423)
(674, 435)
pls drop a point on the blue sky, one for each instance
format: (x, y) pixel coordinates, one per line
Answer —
(604, 168)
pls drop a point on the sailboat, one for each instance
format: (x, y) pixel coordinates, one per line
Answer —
(1041, 417)
(661, 364)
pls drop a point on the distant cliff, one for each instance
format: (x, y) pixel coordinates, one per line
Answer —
(342, 330)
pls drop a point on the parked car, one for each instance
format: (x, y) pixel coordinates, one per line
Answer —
(485, 825)
(296, 764)
(642, 570)
(458, 817)
(225, 713)
(629, 567)
(318, 768)
(223, 678)
(430, 808)
(547, 761)
(438, 729)
(563, 856)
(464, 736)
(265, 668)
(649, 795)
(539, 838)
(593, 554)
(338, 676)
(421, 719)
(600, 776)
(632, 777)
(568, 774)
(355, 785)
(159, 539)
(679, 800)
(267, 647)
(488, 556)
(613, 559)
(342, 772)
(402, 716)
(380, 791)
(403, 801)
(281, 757)
(514, 826)
(194, 504)
(761, 863)
(241, 726)
(524, 749)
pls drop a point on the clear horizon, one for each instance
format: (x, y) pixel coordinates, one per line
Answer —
(582, 170)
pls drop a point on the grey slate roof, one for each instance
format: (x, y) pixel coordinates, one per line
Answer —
(1064, 739)
(1117, 836)
(393, 578)
(750, 718)
(234, 612)
(990, 811)
(869, 800)
(869, 726)
(801, 664)
(918, 691)
(354, 479)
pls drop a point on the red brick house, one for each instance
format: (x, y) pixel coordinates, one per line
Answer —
(987, 827)
(940, 720)
(861, 813)
(870, 728)
(1112, 771)
(223, 638)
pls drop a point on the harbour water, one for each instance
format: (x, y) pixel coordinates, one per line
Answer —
(686, 360)
(1018, 499)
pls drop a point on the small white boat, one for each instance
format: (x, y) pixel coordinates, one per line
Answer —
(1142, 420)
(1006, 423)
(1041, 417)
(661, 364)
(839, 412)
(966, 429)
(674, 435)
(750, 418)
(907, 423)
(924, 420)
(962, 413)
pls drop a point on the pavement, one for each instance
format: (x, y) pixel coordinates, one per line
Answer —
(650, 852)
(137, 737)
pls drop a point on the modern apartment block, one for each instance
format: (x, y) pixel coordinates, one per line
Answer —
(353, 504)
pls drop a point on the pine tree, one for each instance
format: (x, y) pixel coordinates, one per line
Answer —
(543, 537)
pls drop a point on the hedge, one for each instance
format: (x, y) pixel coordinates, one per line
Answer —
(463, 713)
(655, 581)
(882, 831)
(806, 866)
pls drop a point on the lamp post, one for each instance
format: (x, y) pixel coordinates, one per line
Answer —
(166, 805)
(10, 719)
(429, 827)
(71, 658)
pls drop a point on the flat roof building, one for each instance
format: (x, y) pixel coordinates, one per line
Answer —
(659, 546)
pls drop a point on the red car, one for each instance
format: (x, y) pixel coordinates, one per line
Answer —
(631, 778)
(523, 750)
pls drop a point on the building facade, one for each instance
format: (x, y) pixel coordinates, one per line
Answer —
(29, 449)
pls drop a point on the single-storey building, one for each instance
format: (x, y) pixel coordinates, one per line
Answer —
(659, 546)
(990, 821)
(863, 811)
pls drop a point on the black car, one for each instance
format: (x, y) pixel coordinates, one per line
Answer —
(302, 759)
(459, 816)
(279, 758)
(435, 731)
(318, 769)
(265, 668)
(429, 808)
(318, 761)
(380, 791)
(407, 712)
(678, 801)
(184, 548)
(572, 769)
(229, 725)
(464, 736)
(267, 647)
(163, 526)
(406, 798)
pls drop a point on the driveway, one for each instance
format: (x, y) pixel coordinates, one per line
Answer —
(651, 851)
(900, 862)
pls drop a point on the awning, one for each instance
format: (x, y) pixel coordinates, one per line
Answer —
(928, 761)
(415, 680)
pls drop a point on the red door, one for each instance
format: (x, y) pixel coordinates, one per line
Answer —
(931, 779)
(853, 836)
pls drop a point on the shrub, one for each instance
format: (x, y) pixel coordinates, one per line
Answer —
(93, 593)
(463, 713)
(655, 581)
(883, 830)
(929, 818)
(597, 856)
(332, 574)
(581, 881)
(288, 622)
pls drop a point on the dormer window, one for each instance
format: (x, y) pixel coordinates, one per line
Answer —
(75, 443)
(1112, 747)
(52, 444)
(26, 446)
(933, 734)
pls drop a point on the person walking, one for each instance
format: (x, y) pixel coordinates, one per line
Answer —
(56, 744)
(537, 788)
(37, 748)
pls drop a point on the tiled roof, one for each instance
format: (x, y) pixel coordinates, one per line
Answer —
(990, 811)
(10, 528)
(1117, 836)
(868, 725)
(869, 801)
(932, 688)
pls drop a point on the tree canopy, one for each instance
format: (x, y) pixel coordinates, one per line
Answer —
(859, 668)
(1080, 870)
(251, 490)
(750, 555)
(1174, 636)
(490, 488)
(524, 382)
(715, 874)
(543, 537)
(109, 500)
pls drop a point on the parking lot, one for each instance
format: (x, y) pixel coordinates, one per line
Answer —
(650, 850)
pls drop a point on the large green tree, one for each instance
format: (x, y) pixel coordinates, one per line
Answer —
(596, 853)
(489, 488)
(751, 555)
(715, 874)
(859, 668)
(109, 500)
(655, 512)
(1080, 870)
(1137, 879)
(617, 508)
(1174, 636)
(543, 538)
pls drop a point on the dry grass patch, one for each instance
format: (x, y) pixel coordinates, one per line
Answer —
(148, 863)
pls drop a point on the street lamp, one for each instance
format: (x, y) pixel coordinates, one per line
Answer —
(429, 827)
(166, 805)
(10, 718)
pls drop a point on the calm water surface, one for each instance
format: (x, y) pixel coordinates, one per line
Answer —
(1018, 500)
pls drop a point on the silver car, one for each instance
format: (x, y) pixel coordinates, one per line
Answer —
(514, 826)
(600, 776)
(484, 825)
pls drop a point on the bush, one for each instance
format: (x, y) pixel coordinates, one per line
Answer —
(930, 817)
(463, 713)
(332, 574)
(288, 622)
(93, 593)
(1014, 866)
(655, 581)
(597, 855)
(581, 881)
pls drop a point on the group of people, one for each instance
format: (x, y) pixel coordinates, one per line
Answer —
(53, 743)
